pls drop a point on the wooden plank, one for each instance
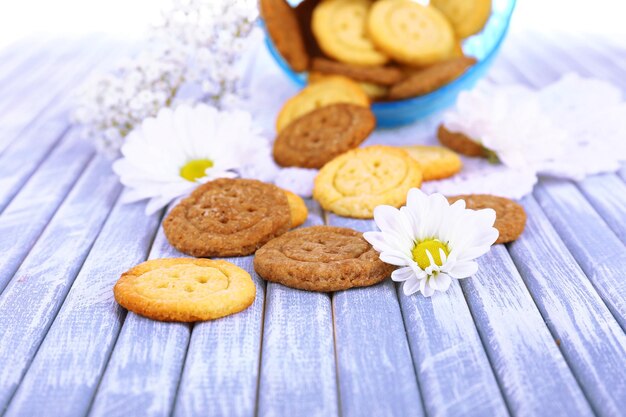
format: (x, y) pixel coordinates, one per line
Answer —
(23, 221)
(69, 363)
(36, 292)
(590, 339)
(222, 365)
(28, 103)
(453, 371)
(607, 195)
(596, 248)
(298, 335)
(532, 372)
(587, 60)
(17, 59)
(26, 152)
(144, 370)
(375, 370)
(23, 157)
(46, 68)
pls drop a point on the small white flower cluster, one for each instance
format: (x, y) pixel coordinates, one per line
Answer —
(193, 56)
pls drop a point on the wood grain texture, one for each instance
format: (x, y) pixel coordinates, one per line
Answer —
(36, 292)
(58, 77)
(32, 71)
(454, 373)
(607, 194)
(533, 374)
(222, 365)
(596, 248)
(26, 217)
(26, 153)
(148, 357)
(221, 370)
(22, 159)
(591, 340)
(19, 58)
(298, 335)
(68, 366)
(375, 370)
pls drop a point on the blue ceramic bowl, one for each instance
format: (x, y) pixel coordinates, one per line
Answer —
(483, 46)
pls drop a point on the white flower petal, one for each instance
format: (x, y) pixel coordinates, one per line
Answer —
(425, 288)
(463, 269)
(394, 258)
(402, 274)
(378, 241)
(411, 286)
(440, 282)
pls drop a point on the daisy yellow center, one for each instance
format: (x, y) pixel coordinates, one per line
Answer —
(432, 246)
(195, 169)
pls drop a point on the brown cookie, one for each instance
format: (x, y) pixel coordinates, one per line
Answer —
(322, 134)
(284, 29)
(321, 258)
(304, 12)
(377, 75)
(460, 143)
(430, 78)
(510, 216)
(228, 217)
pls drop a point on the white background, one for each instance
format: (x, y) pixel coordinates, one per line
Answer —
(131, 18)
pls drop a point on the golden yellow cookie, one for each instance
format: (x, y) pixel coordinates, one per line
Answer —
(374, 91)
(297, 208)
(354, 183)
(437, 162)
(185, 289)
(467, 16)
(339, 26)
(457, 49)
(326, 90)
(410, 33)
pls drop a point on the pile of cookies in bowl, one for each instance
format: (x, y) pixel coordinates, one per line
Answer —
(397, 51)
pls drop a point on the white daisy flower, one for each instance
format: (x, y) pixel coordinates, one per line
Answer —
(431, 240)
(167, 156)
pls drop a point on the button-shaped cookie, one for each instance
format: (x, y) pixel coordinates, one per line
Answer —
(467, 16)
(410, 33)
(228, 217)
(185, 289)
(437, 162)
(324, 91)
(340, 29)
(355, 182)
(317, 137)
(321, 258)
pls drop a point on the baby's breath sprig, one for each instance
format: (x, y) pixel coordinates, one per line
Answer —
(193, 55)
